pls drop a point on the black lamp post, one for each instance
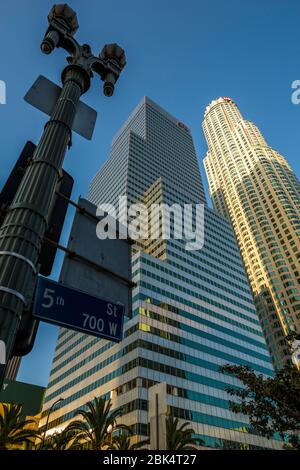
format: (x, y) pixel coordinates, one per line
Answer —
(23, 229)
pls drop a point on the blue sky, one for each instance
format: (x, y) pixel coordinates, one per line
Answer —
(182, 54)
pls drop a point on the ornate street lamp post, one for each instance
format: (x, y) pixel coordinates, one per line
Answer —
(23, 229)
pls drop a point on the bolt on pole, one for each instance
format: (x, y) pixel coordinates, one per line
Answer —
(23, 229)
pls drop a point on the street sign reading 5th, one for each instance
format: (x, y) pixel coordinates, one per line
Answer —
(70, 308)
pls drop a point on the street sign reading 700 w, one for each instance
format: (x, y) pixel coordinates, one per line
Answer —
(70, 308)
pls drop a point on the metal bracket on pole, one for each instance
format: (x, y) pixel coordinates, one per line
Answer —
(96, 266)
(14, 292)
(17, 255)
(84, 211)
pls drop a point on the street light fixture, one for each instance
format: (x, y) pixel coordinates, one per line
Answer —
(65, 19)
(116, 54)
(62, 26)
(22, 231)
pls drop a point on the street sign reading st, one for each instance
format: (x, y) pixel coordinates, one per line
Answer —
(58, 304)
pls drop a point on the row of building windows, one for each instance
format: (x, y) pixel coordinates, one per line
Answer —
(210, 338)
(203, 259)
(153, 300)
(166, 281)
(200, 267)
(137, 362)
(198, 274)
(177, 324)
(94, 341)
(160, 318)
(167, 294)
(226, 444)
(166, 351)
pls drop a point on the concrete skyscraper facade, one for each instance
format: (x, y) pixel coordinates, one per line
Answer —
(254, 187)
(192, 311)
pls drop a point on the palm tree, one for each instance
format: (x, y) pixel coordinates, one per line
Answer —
(97, 419)
(64, 440)
(180, 438)
(122, 441)
(14, 430)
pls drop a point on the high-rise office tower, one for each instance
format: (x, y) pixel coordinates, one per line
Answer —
(252, 185)
(192, 310)
(12, 368)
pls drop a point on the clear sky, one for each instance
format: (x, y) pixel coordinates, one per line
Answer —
(182, 54)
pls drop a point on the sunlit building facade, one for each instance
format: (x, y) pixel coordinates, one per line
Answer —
(192, 311)
(254, 187)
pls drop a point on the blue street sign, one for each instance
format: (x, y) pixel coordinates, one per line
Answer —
(70, 308)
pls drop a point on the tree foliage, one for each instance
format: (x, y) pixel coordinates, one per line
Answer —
(97, 423)
(63, 440)
(122, 441)
(271, 403)
(15, 430)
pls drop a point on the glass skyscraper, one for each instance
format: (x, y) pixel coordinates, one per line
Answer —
(254, 186)
(192, 311)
